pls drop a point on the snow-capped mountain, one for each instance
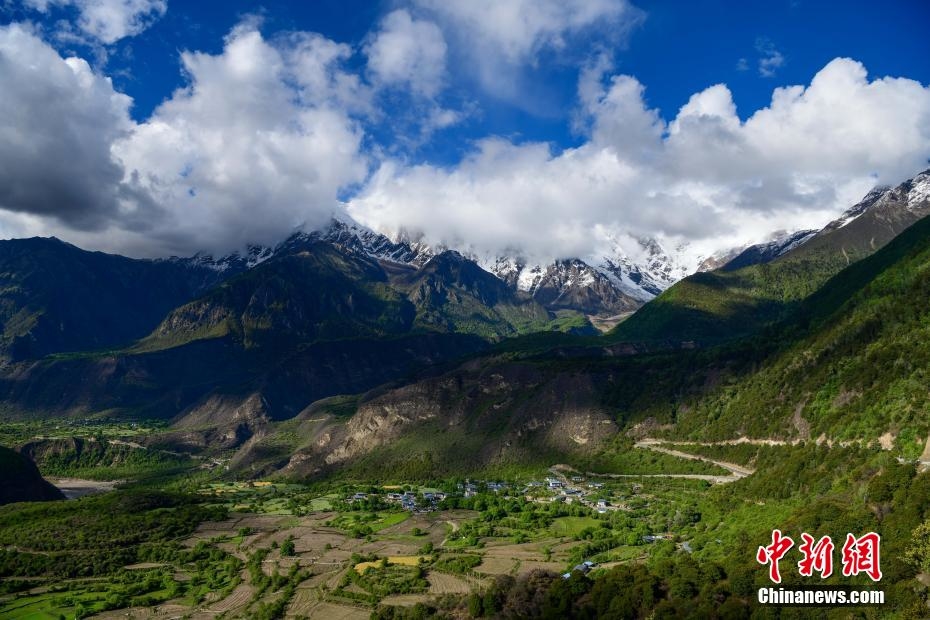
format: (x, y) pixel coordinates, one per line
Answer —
(608, 283)
(918, 189)
(565, 284)
(858, 209)
(353, 236)
(236, 262)
(781, 243)
(626, 272)
(863, 228)
(910, 198)
(611, 283)
(646, 271)
(340, 231)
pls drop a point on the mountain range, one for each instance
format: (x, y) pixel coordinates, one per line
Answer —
(843, 364)
(345, 348)
(764, 282)
(615, 284)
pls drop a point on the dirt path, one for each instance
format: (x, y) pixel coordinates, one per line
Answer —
(738, 471)
(708, 477)
(723, 442)
(455, 528)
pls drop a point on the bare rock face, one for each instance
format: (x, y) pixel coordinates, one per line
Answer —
(505, 412)
(221, 421)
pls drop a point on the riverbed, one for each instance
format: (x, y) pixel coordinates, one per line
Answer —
(73, 488)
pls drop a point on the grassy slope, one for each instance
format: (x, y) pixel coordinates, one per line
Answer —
(718, 305)
(322, 294)
(851, 361)
(856, 362)
(722, 304)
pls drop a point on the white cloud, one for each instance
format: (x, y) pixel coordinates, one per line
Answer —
(496, 39)
(109, 20)
(519, 29)
(315, 63)
(409, 52)
(58, 121)
(406, 65)
(258, 142)
(705, 177)
(770, 59)
(269, 134)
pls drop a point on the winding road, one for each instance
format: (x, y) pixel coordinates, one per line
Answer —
(736, 471)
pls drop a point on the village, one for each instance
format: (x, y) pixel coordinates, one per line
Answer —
(554, 488)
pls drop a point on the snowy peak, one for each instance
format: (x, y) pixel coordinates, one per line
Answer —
(623, 274)
(652, 270)
(913, 195)
(782, 243)
(919, 190)
(358, 239)
(231, 264)
(351, 234)
(565, 284)
(513, 271)
(610, 283)
(606, 284)
(721, 258)
(876, 196)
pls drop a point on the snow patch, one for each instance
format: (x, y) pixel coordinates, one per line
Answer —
(920, 190)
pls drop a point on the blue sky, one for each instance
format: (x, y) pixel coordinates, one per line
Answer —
(678, 49)
(499, 103)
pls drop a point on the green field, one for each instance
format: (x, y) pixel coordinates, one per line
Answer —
(572, 526)
(201, 547)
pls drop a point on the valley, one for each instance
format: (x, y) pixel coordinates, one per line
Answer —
(350, 426)
(346, 549)
(464, 310)
(349, 547)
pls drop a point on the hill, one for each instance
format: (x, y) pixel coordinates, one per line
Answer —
(728, 303)
(316, 293)
(846, 365)
(20, 480)
(852, 363)
(55, 297)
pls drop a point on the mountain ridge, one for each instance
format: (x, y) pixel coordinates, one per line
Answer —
(727, 303)
(815, 371)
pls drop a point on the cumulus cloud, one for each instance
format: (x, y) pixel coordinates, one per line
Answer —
(410, 52)
(272, 133)
(497, 39)
(58, 122)
(705, 177)
(109, 20)
(258, 142)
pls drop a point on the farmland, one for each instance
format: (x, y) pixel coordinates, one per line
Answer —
(200, 543)
(274, 549)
